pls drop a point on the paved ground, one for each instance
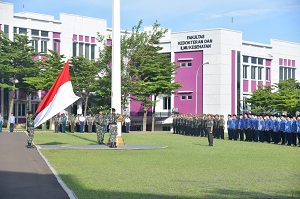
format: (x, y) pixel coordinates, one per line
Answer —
(23, 172)
(102, 147)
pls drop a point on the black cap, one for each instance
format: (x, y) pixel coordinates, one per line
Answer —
(29, 112)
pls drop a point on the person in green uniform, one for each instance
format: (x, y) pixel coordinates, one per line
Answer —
(72, 123)
(63, 121)
(113, 128)
(90, 123)
(56, 123)
(209, 128)
(30, 130)
(100, 121)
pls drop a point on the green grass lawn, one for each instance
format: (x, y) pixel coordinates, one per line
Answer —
(188, 168)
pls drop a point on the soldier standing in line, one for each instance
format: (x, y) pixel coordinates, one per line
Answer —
(30, 129)
(217, 127)
(63, 120)
(100, 121)
(90, 123)
(56, 123)
(209, 129)
(72, 123)
(113, 128)
(204, 121)
(222, 126)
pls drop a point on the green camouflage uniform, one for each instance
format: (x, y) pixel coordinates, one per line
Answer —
(113, 128)
(72, 123)
(30, 130)
(55, 120)
(90, 123)
(100, 121)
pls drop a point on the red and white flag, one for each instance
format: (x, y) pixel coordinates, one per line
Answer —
(59, 97)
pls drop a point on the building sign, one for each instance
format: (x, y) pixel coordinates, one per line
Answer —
(193, 42)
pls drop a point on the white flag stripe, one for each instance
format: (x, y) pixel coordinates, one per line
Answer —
(63, 98)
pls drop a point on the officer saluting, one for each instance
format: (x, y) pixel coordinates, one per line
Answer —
(30, 129)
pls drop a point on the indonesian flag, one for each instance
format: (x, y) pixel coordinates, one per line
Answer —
(59, 97)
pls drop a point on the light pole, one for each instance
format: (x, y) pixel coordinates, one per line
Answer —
(196, 109)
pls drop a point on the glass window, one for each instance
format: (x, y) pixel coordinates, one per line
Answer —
(268, 74)
(183, 97)
(245, 59)
(43, 46)
(35, 45)
(167, 103)
(6, 30)
(190, 97)
(189, 64)
(74, 49)
(15, 30)
(182, 64)
(260, 61)
(245, 68)
(81, 49)
(253, 60)
(35, 32)
(289, 73)
(44, 33)
(55, 46)
(281, 73)
(293, 73)
(285, 73)
(87, 51)
(22, 30)
(21, 110)
(92, 52)
(253, 69)
(259, 73)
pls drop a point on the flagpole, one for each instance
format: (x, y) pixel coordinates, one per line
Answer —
(116, 65)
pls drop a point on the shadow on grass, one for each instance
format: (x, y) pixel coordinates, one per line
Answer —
(83, 138)
(207, 193)
(53, 143)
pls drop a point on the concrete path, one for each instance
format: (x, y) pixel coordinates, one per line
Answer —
(23, 172)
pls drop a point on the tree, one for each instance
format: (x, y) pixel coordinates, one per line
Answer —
(83, 74)
(287, 96)
(17, 64)
(261, 100)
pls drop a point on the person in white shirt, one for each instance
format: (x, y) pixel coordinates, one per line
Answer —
(12, 121)
(127, 123)
(81, 120)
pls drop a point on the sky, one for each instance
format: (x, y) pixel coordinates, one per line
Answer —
(259, 20)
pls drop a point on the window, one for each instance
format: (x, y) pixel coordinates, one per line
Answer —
(285, 73)
(260, 61)
(189, 64)
(35, 32)
(253, 69)
(245, 59)
(81, 49)
(293, 73)
(15, 30)
(166, 128)
(43, 46)
(22, 30)
(253, 60)
(182, 64)
(92, 52)
(281, 73)
(167, 103)
(6, 30)
(259, 73)
(190, 97)
(44, 33)
(21, 110)
(74, 49)
(55, 46)
(268, 74)
(245, 68)
(87, 51)
(35, 45)
(289, 73)
(183, 97)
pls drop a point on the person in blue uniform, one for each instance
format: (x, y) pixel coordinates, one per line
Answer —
(288, 130)
(294, 131)
(63, 120)
(298, 129)
(235, 122)
(229, 127)
(246, 127)
(241, 127)
(268, 123)
(276, 128)
(282, 129)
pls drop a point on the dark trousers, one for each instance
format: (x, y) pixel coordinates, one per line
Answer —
(241, 132)
(254, 136)
(268, 136)
(298, 139)
(261, 136)
(210, 137)
(11, 127)
(63, 127)
(289, 138)
(283, 137)
(230, 134)
(222, 133)
(81, 127)
(294, 138)
(276, 137)
(127, 128)
(235, 134)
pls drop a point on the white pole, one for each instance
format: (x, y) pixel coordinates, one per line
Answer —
(196, 107)
(116, 61)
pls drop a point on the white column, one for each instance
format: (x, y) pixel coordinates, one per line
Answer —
(116, 61)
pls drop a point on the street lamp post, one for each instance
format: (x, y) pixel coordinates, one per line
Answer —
(196, 107)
